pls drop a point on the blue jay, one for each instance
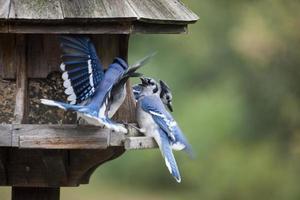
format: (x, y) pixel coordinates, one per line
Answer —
(95, 94)
(164, 93)
(155, 121)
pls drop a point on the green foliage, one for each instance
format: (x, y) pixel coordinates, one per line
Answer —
(235, 79)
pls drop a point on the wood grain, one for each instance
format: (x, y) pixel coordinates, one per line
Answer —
(21, 106)
(93, 16)
(4, 9)
(80, 26)
(60, 137)
(162, 11)
(5, 135)
(31, 136)
(97, 9)
(35, 9)
(9, 57)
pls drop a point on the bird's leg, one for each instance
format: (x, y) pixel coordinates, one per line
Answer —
(78, 121)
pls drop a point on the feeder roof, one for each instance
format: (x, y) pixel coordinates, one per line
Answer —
(94, 16)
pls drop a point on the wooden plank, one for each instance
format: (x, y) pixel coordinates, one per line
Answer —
(63, 136)
(35, 9)
(140, 143)
(5, 135)
(8, 56)
(162, 11)
(4, 9)
(60, 137)
(34, 193)
(43, 55)
(21, 106)
(67, 27)
(100, 9)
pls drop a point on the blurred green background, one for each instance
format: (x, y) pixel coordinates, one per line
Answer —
(236, 84)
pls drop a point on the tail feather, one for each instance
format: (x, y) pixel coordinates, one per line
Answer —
(170, 161)
(143, 61)
(182, 143)
(61, 105)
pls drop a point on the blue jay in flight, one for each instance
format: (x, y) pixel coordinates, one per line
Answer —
(94, 93)
(164, 93)
(155, 121)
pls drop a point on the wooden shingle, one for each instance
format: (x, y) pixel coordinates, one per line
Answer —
(4, 9)
(35, 9)
(94, 16)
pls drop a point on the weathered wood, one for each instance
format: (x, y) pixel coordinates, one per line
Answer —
(21, 107)
(162, 11)
(157, 11)
(79, 26)
(43, 55)
(9, 58)
(100, 9)
(35, 9)
(93, 17)
(60, 137)
(32, 136)
(140, 143)
(4, 9)
(5, 135)
(28, 193)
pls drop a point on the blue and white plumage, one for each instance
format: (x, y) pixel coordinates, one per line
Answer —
(155, 121)
(164, 93)
(95, 111)
(81, 68)
(93, 93)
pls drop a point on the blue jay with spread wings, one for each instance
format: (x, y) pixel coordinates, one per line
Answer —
(155, 121)
(94, 93)
(164, 93)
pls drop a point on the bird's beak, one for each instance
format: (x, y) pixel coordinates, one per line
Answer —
(144, 81)
(169, 105)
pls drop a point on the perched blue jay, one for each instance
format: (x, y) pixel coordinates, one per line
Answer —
(164, 93)
(155, 121)
(94, 93)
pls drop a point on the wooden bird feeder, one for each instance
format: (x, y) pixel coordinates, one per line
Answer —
(37, 158)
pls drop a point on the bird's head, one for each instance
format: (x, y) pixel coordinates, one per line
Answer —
(149, 86)
(166, 95)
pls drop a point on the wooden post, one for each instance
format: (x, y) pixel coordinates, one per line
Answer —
(21, 106)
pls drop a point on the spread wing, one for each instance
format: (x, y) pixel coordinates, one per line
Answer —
(81, 67)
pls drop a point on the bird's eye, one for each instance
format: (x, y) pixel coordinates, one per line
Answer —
(168, 98)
